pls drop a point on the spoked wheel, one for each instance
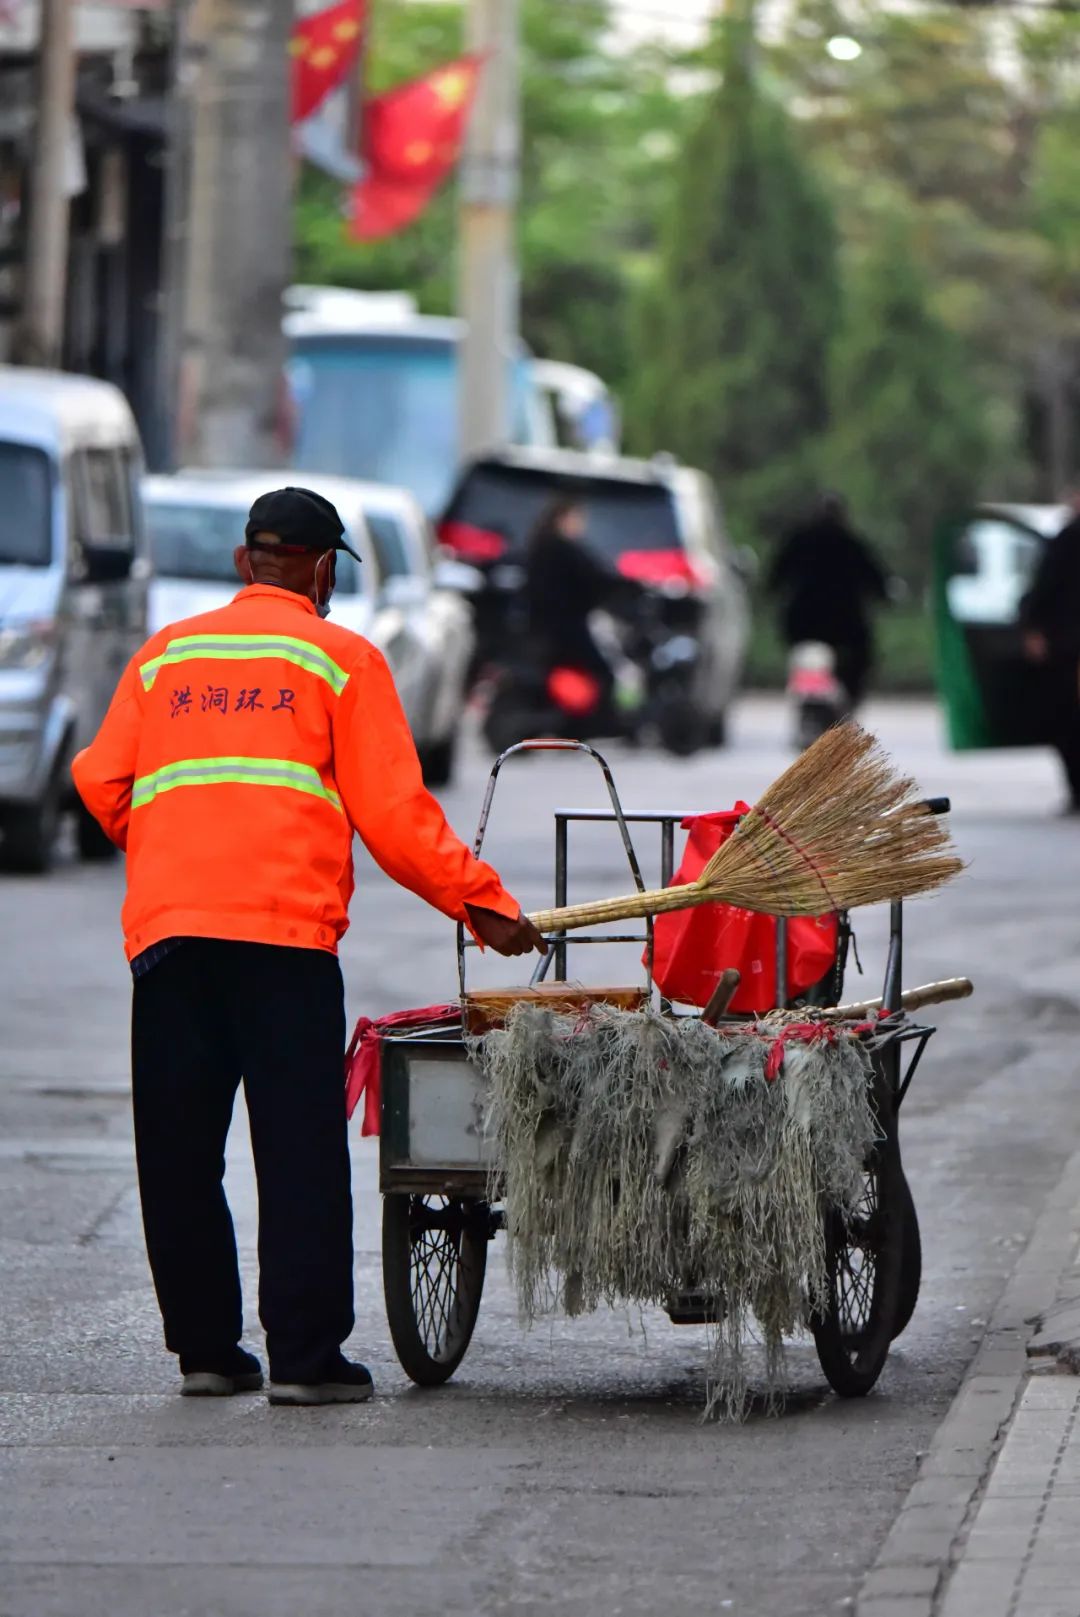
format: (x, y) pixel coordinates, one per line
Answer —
(863, 1252)
(434, 1252)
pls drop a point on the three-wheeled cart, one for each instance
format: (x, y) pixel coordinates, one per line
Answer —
(436, 1161)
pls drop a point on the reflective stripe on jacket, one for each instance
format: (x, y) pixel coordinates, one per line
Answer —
(241, 750)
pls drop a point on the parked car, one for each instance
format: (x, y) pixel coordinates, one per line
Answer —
(995, 559)
(426, 588)
(73, 586)
(985, 563)
(658, 523)
(375, 391)
(197, 517)
(586, 415)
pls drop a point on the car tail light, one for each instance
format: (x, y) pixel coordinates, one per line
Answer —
(660, 568)
(574, 691)
(471, 543)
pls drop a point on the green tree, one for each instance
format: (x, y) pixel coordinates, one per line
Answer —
(909, 441)
(942, 120)
(733, 338)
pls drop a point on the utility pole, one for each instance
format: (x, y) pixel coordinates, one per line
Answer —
(488, 291)
(239, 234)
(40, 337)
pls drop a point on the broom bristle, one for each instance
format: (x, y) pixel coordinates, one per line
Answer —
(838, 829)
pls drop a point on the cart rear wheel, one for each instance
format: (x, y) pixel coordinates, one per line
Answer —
(863, 1252)
(434, 1254)
(910, 1259)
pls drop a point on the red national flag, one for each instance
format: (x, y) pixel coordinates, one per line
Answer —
(413, 138)
(324, 49)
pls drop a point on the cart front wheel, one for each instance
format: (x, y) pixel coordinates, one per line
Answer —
(863, 1253)
(434, 1255)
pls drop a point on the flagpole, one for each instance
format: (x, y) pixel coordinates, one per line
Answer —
(487, 247)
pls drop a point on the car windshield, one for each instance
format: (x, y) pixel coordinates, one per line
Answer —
(385, 409)
(195, 541)
(188, 540)
(622, 516)
(390, 547)
(24, 506)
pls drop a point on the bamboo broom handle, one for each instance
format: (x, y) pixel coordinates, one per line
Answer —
(632, 907)
(912, 999)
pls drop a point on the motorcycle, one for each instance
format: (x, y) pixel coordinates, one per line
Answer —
(817, 696)
(654, 668)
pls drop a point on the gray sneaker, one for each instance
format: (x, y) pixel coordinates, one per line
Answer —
(345, 1383)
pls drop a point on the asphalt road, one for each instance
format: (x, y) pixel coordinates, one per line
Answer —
(566, 1470)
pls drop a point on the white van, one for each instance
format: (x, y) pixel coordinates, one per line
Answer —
(73, 586)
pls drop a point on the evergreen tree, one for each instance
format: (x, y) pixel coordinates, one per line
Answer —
(910, 441)
(734, 336)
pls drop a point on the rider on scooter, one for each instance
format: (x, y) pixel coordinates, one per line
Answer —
(827, 580)
(566, 581)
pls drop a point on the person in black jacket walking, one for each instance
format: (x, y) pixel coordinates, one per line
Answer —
(1050, 618)
(827, 580)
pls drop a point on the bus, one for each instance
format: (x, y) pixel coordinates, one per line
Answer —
(375, 391)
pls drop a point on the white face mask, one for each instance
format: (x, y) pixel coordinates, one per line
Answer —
(322, 605)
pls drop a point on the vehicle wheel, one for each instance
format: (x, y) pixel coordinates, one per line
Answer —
(437, 761)
(509, 721)
(863, 1254)
(30, 831)
(716, 731)
(814, 719)
(434, 1254)
(680, 726)
(910, 1259)
(94, 846)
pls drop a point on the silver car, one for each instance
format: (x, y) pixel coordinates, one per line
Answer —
(73, 584)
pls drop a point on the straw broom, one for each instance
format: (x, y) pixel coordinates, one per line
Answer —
(838, 829)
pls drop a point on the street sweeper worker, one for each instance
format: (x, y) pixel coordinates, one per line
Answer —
(242, 750)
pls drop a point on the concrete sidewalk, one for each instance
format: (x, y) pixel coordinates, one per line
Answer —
(991, 1527)
(1021, 1555)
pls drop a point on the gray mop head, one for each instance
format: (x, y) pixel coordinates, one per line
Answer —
(641, 1156)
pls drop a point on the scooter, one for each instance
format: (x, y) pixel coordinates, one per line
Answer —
(818, 698)
(654, 672)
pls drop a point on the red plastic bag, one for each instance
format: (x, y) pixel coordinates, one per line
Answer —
(692, 947)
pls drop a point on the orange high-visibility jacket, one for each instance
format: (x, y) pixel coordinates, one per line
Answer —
(242, 749)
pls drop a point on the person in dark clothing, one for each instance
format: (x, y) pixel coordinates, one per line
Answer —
(1050, 618)
(827, 580)
(565, 582)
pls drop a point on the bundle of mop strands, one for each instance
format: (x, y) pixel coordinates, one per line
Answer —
(838, 829)
(642, 1156)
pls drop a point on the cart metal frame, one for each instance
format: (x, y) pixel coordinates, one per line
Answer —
(433, 1144)
(436, 1065)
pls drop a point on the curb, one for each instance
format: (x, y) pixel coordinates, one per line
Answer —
(913, 1565)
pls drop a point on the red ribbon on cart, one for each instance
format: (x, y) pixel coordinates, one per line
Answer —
(805, 1033)
(363, 1058)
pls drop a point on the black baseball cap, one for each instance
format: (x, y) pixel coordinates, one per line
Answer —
(299, 516)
